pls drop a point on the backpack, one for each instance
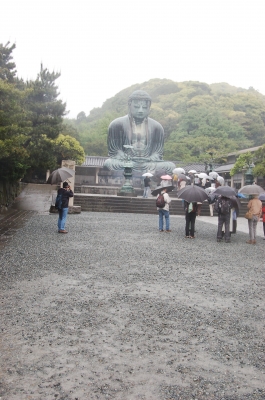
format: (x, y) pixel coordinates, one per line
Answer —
(160, 201)
(223, 206)
(58, 201)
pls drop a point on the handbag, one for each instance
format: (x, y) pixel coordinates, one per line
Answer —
(248, 215)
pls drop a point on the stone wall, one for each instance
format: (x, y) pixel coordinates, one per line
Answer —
(8, 193)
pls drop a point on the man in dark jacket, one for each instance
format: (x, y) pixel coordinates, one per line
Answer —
(223, 207)
(66, 193)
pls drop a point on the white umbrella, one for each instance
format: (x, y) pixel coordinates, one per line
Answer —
(203, 175)
(192, 171)
(209, 190)
(178, 171)
(148, 174)
(213, 175)
(221, 180)
(251, 189)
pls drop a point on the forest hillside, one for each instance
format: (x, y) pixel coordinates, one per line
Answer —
(198, 119)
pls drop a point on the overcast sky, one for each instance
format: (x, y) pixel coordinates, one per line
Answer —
(103, 46)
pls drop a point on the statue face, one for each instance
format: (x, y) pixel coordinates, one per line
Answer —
(139, 109)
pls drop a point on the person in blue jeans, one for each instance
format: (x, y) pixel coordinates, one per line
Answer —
(66, 194)
(164, 212)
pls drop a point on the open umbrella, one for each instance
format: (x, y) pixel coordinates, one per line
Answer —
(213, 174)
(221, 180)
(203, 175)
(148, 174)
(251, 189)
(241, 196)
(166, 177)
(183, 177)
(225, 191)
(60, 175)
(178, 170)
(235, 202)
(262, 197)
(192, 193)
(209, 190)
(158, 190)
(192, 171)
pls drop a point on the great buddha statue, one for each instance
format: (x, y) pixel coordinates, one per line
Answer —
(137, 138)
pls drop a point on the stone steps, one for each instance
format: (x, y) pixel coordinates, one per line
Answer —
(139, 205)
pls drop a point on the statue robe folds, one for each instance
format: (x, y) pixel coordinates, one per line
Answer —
(145, 155)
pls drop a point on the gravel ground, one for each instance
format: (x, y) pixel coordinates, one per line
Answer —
(117, 310)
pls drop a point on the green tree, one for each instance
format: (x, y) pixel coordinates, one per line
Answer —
(259, 169)
(7, 66)
(242, 162)
(46, 113)
(14, 123)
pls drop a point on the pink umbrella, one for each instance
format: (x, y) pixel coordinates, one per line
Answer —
(166, 177)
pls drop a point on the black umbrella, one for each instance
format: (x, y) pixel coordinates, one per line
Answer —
(159, 189)
(60, 175)
(235, 203)
(225, 191)
(192, 194)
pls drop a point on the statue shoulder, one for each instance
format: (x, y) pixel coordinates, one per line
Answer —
(121, 121)
(156, 125)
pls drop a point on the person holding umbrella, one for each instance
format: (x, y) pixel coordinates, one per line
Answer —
(192, 194)
(163, 209)
(262, 199)
(66, 193)
(190, 211)
(255, 207)
(223, 207)
(147, 184)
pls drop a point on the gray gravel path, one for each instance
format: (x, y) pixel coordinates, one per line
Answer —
(117, 310)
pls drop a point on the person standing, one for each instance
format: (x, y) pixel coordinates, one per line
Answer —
(255, 207)
(66, 193)
(263, 218)
(164, 212)
(190, 215)
(223, 207)
(147, 183)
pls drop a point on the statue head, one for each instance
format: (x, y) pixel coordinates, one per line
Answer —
(139, 105)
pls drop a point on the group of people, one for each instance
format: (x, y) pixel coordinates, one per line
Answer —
(226, 213)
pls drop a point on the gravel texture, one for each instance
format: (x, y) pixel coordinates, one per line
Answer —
(117, 310)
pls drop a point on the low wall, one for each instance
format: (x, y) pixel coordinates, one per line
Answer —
(8, 193)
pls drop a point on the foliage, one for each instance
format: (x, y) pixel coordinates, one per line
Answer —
(198, 119)
(242, 162)
(31, 123)
(7, 67)
(259, 169)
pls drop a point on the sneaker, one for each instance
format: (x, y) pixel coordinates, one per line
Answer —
(192, 237)
(168, 230)
(62, 231)
(187, 237)
(249, 241)
(161, 230)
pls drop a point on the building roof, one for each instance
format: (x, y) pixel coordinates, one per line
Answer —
(224, 168)
(244, 151)
(94, 161)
